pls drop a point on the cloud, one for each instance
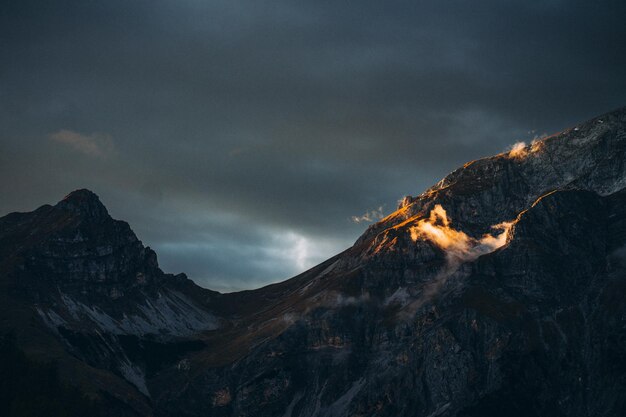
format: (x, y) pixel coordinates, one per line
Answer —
(369, 216)
(295, 117)
(258, 256)
(518, 150)
(457, 245)
(96, 144)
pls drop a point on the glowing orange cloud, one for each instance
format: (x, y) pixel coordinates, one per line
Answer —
(459, 247)
(518, 150)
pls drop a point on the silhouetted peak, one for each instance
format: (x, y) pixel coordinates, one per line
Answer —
(84, 202)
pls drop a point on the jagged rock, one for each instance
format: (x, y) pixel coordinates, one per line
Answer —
(98, 290)
(425, 315)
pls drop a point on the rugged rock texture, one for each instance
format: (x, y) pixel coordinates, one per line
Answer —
(423, 316)
(98, 293)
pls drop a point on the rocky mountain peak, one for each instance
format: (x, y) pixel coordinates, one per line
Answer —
(496, 189)
(84, 203)
(498, 291)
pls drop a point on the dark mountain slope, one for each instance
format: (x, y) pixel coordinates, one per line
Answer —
(531, 329)
(499, 291)
(393, 326)
(79, 288)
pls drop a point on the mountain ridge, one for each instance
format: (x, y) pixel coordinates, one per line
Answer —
(497, 291)
(599, 132)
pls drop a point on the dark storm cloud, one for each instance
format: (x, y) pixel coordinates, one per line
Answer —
(239, 138)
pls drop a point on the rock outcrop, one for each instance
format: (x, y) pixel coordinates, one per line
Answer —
(98, 291)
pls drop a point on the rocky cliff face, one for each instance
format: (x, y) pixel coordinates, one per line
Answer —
(499, 291)
(98, 291)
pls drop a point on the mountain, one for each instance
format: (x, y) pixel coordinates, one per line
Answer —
(501, 290)
(81, 290)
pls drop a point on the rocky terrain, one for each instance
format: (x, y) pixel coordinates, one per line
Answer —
(499, 291)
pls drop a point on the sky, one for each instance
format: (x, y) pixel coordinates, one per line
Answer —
(247, 141)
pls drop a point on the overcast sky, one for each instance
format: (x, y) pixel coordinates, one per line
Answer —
(239, 138)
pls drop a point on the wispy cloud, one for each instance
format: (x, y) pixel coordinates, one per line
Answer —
(518, 150)
(369, 216)
(95, 144)
(457, 245)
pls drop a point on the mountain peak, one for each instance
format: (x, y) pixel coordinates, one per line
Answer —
(82, 194)
(490, 287)
(84, 202)
(495, 189)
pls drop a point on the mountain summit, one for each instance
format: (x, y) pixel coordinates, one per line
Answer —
(499, 291)
(84, 202)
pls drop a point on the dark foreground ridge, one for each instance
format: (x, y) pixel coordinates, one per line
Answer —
(499, 291)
